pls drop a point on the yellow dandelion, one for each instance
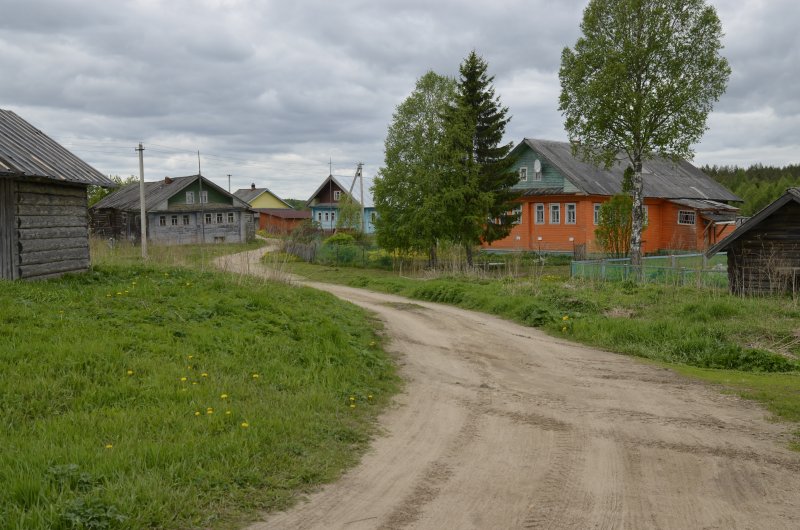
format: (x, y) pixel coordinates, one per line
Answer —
(130, 372)
(119, 293)
(188, 367)
(372, 343)
(204, 374)
(188, 284)
(256, 376)
(227, 413)
(352, 405)
(109, 446)
(209, 411)
(108, 295)
(369, 396)
(245, 425)
(197, 413)
(565, 317)
(190, 356)
(564, 329)
(183, 379)
(352, 398)
(194, 382)
(224, 396)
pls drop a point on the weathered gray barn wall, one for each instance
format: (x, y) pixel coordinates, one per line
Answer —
(766, 259)
(8, 233)
(52, 229)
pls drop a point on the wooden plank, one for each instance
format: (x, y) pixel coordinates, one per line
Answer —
(49, 221)
(60, 243)
(53, 256)
(52, 232)
(51, 188)
(39, 199)
(8, 261)
(51, 209)
(53, 269)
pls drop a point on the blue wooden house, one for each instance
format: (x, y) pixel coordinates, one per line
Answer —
(324, 205)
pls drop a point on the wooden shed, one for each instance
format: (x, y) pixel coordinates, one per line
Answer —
(43, 203)
(764, 251)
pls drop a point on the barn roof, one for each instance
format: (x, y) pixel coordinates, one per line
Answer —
(27, 152)
(127, 197)
(792, 194)
(663, 178)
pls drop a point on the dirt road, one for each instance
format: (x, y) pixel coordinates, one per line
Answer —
(501, 426)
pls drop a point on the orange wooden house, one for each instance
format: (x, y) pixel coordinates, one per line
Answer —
(561, 197)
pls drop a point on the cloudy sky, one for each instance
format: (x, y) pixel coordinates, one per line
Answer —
(271, 91)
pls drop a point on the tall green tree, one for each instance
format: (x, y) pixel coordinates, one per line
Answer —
(406, 189)
(478, 177)
(96, 193)
(640, 83)
(348, 215)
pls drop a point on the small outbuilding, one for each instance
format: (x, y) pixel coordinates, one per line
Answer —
(764, 251)
(44, 225)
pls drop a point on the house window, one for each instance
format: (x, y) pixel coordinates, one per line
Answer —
(219, 218)
(336, 195)
(162, 220)
(517, 213)
(231, 217)
(523, 174)
(326, 217)
(333, 216)
(204, 197)
(571, 214)
(685, 217)
(539, 214)
(555, 214)
(597, 213)
(319, 216)
(173, 220)
(185, 219)
(373, 216)
(189, 197)
(537, 176)
(208, 218)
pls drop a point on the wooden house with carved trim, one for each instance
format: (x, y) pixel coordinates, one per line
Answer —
(43, 203)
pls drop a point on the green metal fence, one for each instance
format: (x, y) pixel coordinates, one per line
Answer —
(677, 269)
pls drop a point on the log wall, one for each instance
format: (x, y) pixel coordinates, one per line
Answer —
(767, 258)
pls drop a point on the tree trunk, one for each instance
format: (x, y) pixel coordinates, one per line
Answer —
(637, 219)
(433, 261)
(468, 249)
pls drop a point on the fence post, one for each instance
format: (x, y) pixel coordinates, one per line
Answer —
(603, 269)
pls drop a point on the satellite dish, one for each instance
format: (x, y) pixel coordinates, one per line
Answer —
(537, 167)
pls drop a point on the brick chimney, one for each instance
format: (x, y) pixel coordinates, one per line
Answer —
(167, 180)
(253, 186)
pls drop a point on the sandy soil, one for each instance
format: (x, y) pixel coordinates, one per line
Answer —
(501, 426)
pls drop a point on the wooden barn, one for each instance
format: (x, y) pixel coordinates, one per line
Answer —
(764, 251)
(43, 203)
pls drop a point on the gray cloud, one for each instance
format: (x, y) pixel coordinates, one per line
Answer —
(270, 91)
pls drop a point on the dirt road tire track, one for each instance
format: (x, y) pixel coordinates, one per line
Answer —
(501, 426)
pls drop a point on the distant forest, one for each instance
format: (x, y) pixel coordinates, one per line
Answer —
(758, 185)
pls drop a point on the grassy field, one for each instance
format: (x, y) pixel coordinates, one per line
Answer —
(160, 397)
(748, 345)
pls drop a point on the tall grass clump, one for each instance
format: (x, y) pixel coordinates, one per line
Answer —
(155, 397)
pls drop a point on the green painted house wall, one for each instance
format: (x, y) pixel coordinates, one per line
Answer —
(551, 177)
(213, 196)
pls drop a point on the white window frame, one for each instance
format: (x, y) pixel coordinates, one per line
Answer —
(517, 212)
(189, 197)
(162, 220)
(597, 207)
(327, 214)
(645, 214)
(231, 218)
(185, 219)
(173, 220)
(687, 214)
(337, 195)
(204, 197)
(537, 177)
(373, 216)
(555, 207)
(333, 216)
(538, 208)
(209, 219)
(220, 218)
(574, 211)
(523, 174)
(319, 217)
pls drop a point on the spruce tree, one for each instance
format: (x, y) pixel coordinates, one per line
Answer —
(478, 191)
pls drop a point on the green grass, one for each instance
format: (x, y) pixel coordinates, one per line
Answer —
(112, 412)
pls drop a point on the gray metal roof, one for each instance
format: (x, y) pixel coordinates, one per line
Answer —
(369, 202)
(792, 194)
(663, 178)
(249, 194)
(25, 151)
(127, 197)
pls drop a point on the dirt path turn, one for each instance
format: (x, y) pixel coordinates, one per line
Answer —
(501, 426)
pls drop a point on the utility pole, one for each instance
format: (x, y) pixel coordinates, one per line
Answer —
(142, 208)
(229, 182)
(362, 222)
